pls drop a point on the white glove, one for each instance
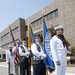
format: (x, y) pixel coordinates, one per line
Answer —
(27, 53)
(29, 48)
(43, 55)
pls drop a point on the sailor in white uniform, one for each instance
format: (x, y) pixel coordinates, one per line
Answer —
(38, 57)
(59, 49)
(10, 60)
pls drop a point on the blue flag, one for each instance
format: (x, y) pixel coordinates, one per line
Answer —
(13, 40)
(49, 60)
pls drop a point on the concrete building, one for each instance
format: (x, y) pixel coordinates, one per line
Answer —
(57, 12)
(18, 29)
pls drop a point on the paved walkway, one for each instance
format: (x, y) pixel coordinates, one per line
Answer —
(3, 64)
(70, 70)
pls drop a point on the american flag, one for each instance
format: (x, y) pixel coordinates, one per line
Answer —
(16, 59)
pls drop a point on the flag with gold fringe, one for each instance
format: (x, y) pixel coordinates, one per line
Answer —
(30, 36)
(31, 39)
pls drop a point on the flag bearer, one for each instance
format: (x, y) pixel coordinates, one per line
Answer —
(10, 60)
(38, 57)
(23, 55)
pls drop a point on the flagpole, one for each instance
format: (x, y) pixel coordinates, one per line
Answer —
(43, 24)
(9, 67)
(29, 59)
(43, 36)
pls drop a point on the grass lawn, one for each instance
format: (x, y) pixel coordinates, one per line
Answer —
(2, 60)
(70, 65)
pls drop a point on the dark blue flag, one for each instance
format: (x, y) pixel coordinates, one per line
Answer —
(13, 40)
(49, 60)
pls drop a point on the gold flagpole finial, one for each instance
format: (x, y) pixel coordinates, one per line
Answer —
(43, 12)
(28, 21)
(51, 25)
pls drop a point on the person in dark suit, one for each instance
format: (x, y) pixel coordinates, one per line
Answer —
(23, 56)
(39, 67)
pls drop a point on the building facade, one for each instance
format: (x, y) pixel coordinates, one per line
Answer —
(55, 13)
(18, 29)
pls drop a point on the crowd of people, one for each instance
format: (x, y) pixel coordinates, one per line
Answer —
(18, 54)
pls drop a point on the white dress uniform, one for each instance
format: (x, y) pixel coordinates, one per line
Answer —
(11, 57)
(59, 53)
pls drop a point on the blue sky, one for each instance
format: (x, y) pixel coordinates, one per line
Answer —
(11, 10)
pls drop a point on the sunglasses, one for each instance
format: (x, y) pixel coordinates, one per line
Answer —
(60, 29)
(37, 38)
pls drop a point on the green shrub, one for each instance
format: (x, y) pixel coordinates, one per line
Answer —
(71, 65)
(73, 51)
(2, 60)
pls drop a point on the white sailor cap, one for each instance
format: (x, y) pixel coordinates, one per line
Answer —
(58, 27)
(9, 46)
(18, 41)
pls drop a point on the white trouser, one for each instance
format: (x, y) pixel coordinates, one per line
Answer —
(12, 67)
(61, 70)
(17, 69)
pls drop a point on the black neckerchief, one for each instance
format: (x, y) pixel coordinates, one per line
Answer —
(11, 52)
(61, 37)
(38, 47)
(23, 50)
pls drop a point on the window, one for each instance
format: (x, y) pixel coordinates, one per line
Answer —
(5, 36)
(5, 46)
(54, 14)
(49, 17)
(32, 24)
(15, 30)
(39, 22)
(35, 23)
(46, 18)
